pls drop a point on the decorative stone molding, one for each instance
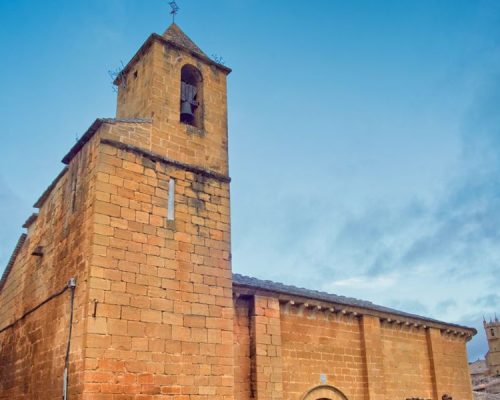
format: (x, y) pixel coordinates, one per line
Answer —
(324, 392)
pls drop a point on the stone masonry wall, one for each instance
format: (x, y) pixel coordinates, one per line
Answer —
(134, 93)
(32, 351)
(449, 364)
(242, 350)
(373, 357)
(266, 348)
(407, 368)
(326, 354)
(315, 344)
(162, 320)
(456, 367)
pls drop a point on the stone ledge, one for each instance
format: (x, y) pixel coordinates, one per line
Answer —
(156, 157)
(94, 128)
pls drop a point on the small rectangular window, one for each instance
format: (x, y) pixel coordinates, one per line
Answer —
(74, 187)
(74, 184)
(171, 201)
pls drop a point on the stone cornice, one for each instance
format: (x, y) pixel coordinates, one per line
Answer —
(94, 128)
(154, 37)
(315, 305)
(168, 161)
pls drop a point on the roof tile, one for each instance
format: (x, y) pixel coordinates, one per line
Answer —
(176, 35)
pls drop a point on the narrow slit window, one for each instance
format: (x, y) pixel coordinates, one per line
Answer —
(171, 200)
(74, 185)
(73, 191)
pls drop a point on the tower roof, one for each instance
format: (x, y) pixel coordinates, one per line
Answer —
(175, 35)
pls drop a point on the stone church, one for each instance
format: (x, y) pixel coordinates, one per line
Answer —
(122, 287)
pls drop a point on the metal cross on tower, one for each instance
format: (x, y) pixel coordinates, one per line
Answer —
(175, 9)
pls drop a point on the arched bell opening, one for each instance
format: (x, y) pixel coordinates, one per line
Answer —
(191, 103)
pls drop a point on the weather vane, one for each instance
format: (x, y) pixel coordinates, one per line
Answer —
(175, 9)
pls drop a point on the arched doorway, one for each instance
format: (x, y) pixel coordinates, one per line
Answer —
(324, 392)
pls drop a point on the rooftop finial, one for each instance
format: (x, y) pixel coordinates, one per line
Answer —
(174, 9)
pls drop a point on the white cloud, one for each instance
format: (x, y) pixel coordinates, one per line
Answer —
(365, 282)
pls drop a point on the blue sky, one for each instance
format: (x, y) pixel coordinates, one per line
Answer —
(364, 135)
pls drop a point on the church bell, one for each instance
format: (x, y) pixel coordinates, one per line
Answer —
(188, 102)
(186, 111)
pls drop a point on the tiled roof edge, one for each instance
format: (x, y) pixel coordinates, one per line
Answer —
(32, 218)
(161, 39)
(12, 259)
(79, 145)
(177, 35)
(203, 57)
(266, 285)
(49, 189)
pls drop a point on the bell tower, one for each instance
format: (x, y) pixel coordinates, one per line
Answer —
(162, 199)
(171, 81)
(492, 329)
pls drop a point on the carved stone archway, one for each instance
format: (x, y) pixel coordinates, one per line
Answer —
(324, 392)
